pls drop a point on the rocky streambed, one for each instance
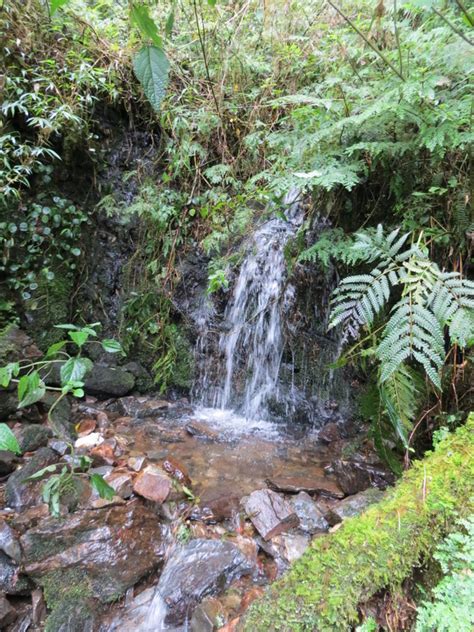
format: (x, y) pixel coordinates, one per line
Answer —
(208, 509)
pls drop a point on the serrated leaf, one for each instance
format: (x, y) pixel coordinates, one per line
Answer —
(8, 441)
(151, 69)
(145, 23)
(102, 487)
(74, 370)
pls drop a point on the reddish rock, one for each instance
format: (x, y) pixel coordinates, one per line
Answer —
(7, 613)
(250, 596)
(153, 484)
(103, 455)
(122, 483)
(311, 485)
(270, 513)
(85, 427)
(329, 433)
(136, 463)
(177, 470)
(102, 420)
(200, 431)
(38, 610)
(231, 626)
(356, 476)
(219, 508)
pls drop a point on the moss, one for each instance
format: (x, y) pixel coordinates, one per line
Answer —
(376, 550)
(64, 585)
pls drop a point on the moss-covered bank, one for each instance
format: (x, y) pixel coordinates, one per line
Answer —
(376, 550)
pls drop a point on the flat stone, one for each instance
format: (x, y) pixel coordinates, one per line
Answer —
(141, 407)
(356, 504)
(103, 454)
(269, 512)
(311, 519)
(8, 614)
(8, 462)
(20, 494)
(311, 485)
(356, 476)
(113, 547)
(89, 441)
(152, 483)
(196, 570)
(122, 483)
(217, 507)
(61, 447)
(287, 547)
(200, 431)
(9, 541)
(136, 463)
(85, 427)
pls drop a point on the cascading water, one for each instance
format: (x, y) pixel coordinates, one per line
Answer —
(251, 346)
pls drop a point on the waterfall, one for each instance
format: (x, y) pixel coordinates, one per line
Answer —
(252, 342)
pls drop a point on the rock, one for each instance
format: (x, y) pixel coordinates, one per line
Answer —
(121, 481)
(256, 592)
(89, 441)
(8, 404)
(153, 484)
(207, 615)
(136, 463)
(60, 447)
(12, 582)
(15, 344)
(85, 427)
(107, 381)
(72, 615)
(8, 614)
(311, 519)
(102, 420)
(195, 570)
(355, 505)
(291, 546)
(312, 485)
(103, 455)
(38, 606)
(33, 437)
(329, 433)
(9, 542)
(200, 431)
(20, 494)
(143, 379)
(177, 470)
(7, 462)
(217, 508)
(112, 547)
(30, 517)
(356, 476)
(269, 512)
(141, 407)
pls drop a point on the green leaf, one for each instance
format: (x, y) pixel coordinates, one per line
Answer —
(169, 22)
(212, 3)
(74, 370)
(56, 4)
(8, 441)
(112, 346)
(30, 389)
(79, 337)
(151, 69)
(40, 473)
(53, 349)
(146, 25)
(103, 489)
(7, 372)
(66, 326)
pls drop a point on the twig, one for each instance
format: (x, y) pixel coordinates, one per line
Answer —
(465, 11)
(452, 27)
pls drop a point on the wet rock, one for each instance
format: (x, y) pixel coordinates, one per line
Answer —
(9, 541)
(8, 614)
(311, 485)
(7, 462)
(286, 548)
(89, 441)
(200, 431)
(122, 483)
(30, 517)
(269, 512)
(72, 615)
(177, 470)
(112, 547)
(329, 433)
(106, 381)
(85, 427)
(356, 476)
(33, 437)
(217, 508)
(140, 407)
(311, 519)
(355, 505)
(196, 570)
(20, 494)
(12, 582)
(152, 483)
(136, 463)
(206, 616)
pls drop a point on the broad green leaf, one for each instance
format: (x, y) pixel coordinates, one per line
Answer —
(112, 346)
(40, 473)
(103, 489)
(7, 372)
(74, 370)
(79, 337)
(146, 25)
(151, 69)
(30, 389)
(67, 326)
(8, 441)
(56, 4)
(53, 349)
(212, 3)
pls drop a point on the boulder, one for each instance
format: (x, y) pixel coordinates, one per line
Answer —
(7, 462)
(112, 548)
(310, 484)
(33, 437)
(20, 494)
(106, 381)
(311, 518)
(269, 512)
(152, 483)
(198, 569)
(356, 476)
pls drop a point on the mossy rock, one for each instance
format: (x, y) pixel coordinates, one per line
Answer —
(376, 550)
